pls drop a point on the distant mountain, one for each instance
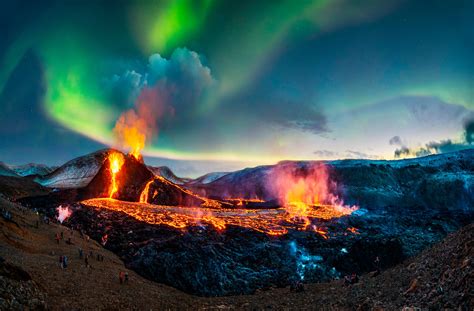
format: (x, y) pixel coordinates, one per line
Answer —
(32, 169)
(76, 173)
(5, 170)
(444, 179)
(210, 177)
(168, 174)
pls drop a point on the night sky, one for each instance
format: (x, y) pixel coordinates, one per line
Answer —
(238, 83)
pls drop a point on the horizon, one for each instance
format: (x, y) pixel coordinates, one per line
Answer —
(200, 174)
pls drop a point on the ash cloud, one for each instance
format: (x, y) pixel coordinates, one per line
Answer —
(395, 141)
(183, 78)
(163, 92)
(435, 147)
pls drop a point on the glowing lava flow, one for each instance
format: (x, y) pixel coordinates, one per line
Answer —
(144, 194)
(269, 221)
(304, 191)
(116, 161)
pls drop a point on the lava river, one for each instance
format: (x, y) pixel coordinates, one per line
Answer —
(269, 221)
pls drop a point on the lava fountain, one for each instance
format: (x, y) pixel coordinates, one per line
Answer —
(116, 161)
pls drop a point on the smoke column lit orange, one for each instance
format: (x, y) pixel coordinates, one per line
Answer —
(304, 192)
(116, 161)
(135, 127)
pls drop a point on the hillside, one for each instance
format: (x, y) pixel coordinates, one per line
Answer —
(440, 277)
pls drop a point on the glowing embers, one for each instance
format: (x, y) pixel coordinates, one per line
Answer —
(116, 161)
(268, 221)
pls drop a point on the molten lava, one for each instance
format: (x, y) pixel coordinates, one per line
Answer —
(306, 197)
(116, 161)
(269, 221)
(302, 192)
(131, 132)
(144, 194)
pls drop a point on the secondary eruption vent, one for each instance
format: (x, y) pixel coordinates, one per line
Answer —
(307, 192)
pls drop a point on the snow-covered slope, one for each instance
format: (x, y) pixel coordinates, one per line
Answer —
(210, 177)
(31, 169)
(6, 171)
(168, 174)
(76, 173)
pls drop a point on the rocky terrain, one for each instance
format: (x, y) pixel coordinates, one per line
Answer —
(443, 181)
(441, 277)
(403, 207)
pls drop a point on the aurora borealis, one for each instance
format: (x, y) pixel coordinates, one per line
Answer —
(246, 82)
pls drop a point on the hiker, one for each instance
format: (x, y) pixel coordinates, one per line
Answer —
(126, 277)
(81, 253)
(65, 261)
(351, 279)
(61, 262)
(121, 277)
(377, 265)
(354, 278)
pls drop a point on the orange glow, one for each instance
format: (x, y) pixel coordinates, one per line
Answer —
(116, 161)
(144, 194)
(272, 222)
(131, 131)
(303, 193)
(353, 230)
(242, 202)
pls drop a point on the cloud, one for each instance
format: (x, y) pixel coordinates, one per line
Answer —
(395, 140)
(352, 154)
(442, 146)
(325, 154)
(348, 154)
(183, 78)
(158, 94)
(469, 131)
(183, 87)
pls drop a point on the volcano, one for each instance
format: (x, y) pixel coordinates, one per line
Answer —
(89, 177)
